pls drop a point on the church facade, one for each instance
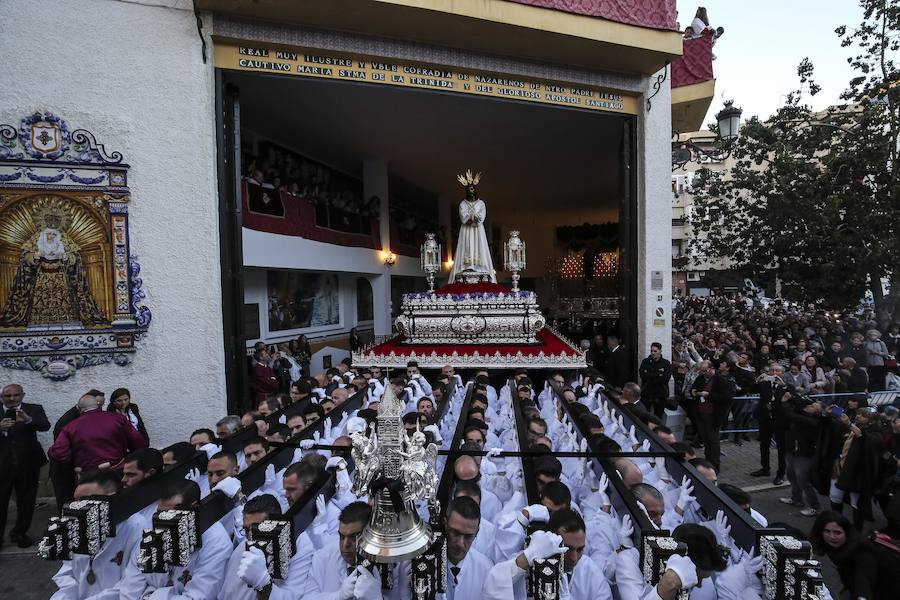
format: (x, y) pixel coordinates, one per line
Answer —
(270, 169)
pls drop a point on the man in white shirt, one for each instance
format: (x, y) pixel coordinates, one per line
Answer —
(467, 568)
(84, 576)
(199, 580)
(247, 575)
(334, 574)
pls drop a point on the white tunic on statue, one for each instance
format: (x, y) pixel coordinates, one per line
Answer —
(108, 565)
(472, 250)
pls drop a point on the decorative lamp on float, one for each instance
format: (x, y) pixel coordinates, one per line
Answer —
(431, 259)
(389, 258)
(514, 257)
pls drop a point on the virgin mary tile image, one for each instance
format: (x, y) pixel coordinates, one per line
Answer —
(302, 300)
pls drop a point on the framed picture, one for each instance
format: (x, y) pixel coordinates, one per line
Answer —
(300, 300)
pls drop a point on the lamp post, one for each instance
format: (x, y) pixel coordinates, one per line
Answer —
(729, 123)
(431, 259)
(514, 257)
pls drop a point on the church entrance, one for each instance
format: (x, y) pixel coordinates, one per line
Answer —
(330, 161)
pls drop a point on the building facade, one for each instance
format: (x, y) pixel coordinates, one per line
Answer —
(285, 158)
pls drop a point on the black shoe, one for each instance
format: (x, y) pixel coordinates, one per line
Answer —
(24, 541)
(779, 480)
(696, 444)
(760, 473)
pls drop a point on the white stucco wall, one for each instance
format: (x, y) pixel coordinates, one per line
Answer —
(654, 217)
(132, 73)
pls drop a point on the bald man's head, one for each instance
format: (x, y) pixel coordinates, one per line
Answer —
(86, 403)
(466, 468)
(12, 394)
(630, 473)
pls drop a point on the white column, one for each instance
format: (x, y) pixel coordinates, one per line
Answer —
(375, 183)
(654, 221)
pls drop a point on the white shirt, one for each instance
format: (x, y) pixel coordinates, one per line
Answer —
(199, 580)
(329, 570)
(108, 565)
(506, 581)
(468, 584)
(234, 588)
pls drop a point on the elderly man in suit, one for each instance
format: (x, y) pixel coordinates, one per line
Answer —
(21, 459)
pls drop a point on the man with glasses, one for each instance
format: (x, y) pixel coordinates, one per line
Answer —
(21, 459)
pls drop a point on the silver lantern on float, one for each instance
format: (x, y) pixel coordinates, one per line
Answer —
(514, 257)
(431, 259)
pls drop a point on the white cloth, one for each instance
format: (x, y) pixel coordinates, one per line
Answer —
(233, 588)
(109, 564)
(506, 581)
(199, 580)
(328, 570)
(473, 570)
(472, 250)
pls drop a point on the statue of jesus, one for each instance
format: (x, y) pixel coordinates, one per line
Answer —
(472, 262)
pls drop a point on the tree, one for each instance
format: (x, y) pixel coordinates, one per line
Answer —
(814, 198)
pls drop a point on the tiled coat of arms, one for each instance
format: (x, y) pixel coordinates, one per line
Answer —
(70, 288)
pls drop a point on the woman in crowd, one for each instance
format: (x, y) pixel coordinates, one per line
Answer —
(876, 352)
(120, 402)
(867, 571)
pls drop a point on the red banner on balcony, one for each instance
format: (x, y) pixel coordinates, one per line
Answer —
(273, 211)
(655, 14)
(695, 65)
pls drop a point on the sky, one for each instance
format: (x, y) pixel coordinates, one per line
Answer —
(764, 41)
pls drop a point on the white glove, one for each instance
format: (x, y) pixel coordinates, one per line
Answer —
(645, 446)
(336, 462)
(434, 432)
(632, 438)
(494, 452)
(348, 585)
(685, 569)
(685, 495)
(583, 445)
(230, 486)
(336, 378)
(543, 545)
(210, 449)
(270, 475)
(356, 425)
(283, 419)
(327, 431)
(537, 513)
(193, 475)
(307, 444)
(321, 517)
(316, 437)
(253, 570)
(752, 564)
(602, 491)
(660, 469)
(343, 421)
(626, 530)
(368, 587)
(298, 455)
(722, 529)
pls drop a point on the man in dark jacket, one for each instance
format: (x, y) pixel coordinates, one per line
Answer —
(803, 417)
(655, 374)
(769, 415)
(21, 459)
(616, 372)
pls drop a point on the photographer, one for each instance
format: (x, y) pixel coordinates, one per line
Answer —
(772, 389)
(803, 417)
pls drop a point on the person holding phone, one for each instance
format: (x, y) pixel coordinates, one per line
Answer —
(21, 459)
(772, 389)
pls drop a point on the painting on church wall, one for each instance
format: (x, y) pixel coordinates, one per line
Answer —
(70, 287)
(298, 300)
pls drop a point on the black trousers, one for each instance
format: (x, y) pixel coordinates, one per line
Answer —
(62, 476)
(24, 482)
(767, 433)
(711, 425)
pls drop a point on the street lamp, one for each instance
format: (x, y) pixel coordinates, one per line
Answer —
(729, 124)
